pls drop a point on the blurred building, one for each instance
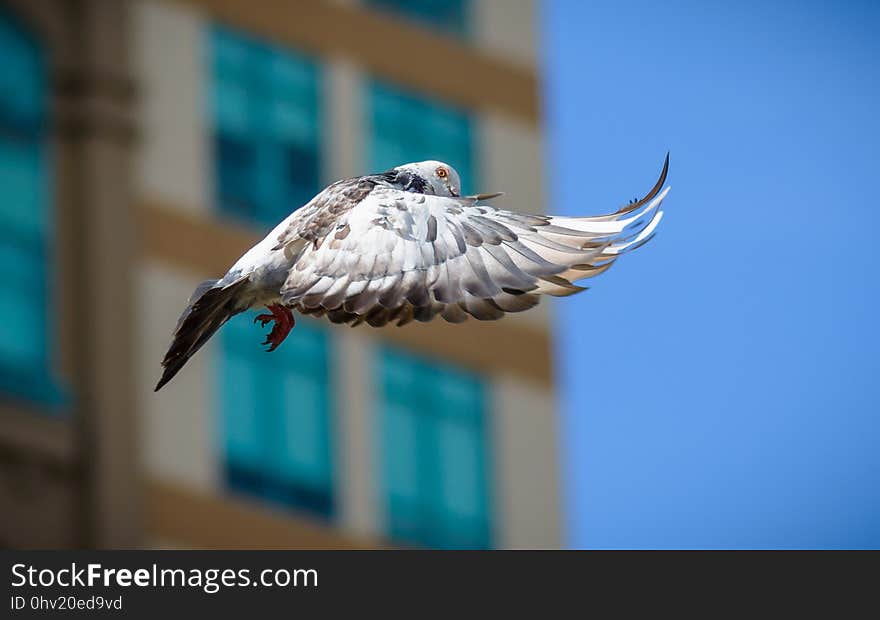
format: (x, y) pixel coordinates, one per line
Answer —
(143, 147)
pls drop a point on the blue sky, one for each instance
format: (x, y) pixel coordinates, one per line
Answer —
(720, 387)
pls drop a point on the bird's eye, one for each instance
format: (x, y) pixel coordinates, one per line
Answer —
(442, 173)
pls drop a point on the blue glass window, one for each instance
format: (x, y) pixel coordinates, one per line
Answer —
(407, 128)
(434, 450)
(25, 324)
(450, 16)
(276, 416)
(266, 115)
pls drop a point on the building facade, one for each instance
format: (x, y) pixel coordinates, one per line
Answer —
(151, 162)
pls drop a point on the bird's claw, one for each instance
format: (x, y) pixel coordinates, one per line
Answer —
(262, 319)
(268, 340)
(284, 322)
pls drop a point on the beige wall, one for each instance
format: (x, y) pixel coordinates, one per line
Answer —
(508, 29)
(344, 137)
(360, 508)
(510, 156)
(526, 466)
(168, 54)
(179, 434)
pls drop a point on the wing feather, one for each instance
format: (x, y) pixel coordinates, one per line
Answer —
(399, 256)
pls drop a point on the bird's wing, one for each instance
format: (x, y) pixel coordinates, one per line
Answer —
(398, 256)
(314, 220)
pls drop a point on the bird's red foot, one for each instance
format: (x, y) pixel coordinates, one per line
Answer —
(284, 322)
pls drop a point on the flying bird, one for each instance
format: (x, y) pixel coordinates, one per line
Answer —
(405, 245)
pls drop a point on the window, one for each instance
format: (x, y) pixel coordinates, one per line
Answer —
(266, 118)
(25, 324)
(448, 16)
(406, 128)
(433, 437)
(276, 416)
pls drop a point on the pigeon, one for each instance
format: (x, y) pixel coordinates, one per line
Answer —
(403, 246)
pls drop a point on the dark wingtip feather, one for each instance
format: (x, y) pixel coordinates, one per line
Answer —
(167, 375)
(651, 194)
(210, 307)
(178, 355)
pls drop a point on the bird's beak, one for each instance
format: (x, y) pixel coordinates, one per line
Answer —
(487, 196)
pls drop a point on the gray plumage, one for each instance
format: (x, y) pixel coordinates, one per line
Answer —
(403, 246)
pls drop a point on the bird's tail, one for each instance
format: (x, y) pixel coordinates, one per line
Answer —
(210, 306)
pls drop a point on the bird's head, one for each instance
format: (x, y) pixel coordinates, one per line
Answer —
(427, 177)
